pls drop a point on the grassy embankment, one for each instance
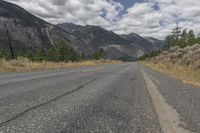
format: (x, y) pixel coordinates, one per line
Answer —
(24, 64)
(181, 63)
(186, 74)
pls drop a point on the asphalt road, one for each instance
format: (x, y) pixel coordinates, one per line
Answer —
(121, 98)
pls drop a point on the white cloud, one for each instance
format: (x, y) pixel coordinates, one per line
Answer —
(149, 18)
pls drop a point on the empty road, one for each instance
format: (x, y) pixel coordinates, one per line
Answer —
(120, 98)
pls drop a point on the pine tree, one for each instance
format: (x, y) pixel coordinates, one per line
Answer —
(191, 38)
(51, 54)
(40, 54)
(65, 53)
(169, 40)
(176, 32)
(73, 55)
(184, 38)
(99, 55)
(62, 52)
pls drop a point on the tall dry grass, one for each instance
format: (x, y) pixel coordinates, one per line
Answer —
(187, 74)
(24, 64)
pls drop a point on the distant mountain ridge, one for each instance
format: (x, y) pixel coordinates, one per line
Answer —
(117, 46)
(147, 44)
(28, 33)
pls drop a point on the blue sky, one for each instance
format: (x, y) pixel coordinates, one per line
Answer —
(127, 4)
(153, 18)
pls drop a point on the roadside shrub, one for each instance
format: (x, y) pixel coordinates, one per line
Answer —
(99, 55)
(16, 63)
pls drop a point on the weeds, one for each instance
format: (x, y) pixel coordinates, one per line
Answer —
(186, 74)
(22, 64)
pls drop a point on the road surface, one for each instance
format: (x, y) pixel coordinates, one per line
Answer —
(121, 98)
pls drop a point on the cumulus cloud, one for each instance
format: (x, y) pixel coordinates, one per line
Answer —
(153, 18)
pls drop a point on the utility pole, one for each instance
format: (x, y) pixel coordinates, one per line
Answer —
(10, 44)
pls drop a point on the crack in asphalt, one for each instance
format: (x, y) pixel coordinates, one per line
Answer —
(47, 102)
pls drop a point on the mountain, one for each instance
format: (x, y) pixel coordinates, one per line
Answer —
(116, 46)
(29, 32)
(147, 44)
(96, 38)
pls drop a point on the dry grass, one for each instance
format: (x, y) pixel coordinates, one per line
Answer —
(188, 75)
(182, 63)
(23, 65)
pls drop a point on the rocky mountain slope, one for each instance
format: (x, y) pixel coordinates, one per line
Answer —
(131, 46)
(147, 44)
(28, 32)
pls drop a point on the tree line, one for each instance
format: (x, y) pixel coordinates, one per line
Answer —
(178, 37)
(181, 38)
(60, 53)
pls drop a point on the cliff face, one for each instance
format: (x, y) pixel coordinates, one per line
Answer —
(28, 32)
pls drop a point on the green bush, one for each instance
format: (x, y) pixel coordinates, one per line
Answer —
(100, 54)
(4, 54)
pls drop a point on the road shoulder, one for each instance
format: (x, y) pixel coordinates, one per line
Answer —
(168, 117)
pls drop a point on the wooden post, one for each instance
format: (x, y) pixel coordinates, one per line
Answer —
(10, 44)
